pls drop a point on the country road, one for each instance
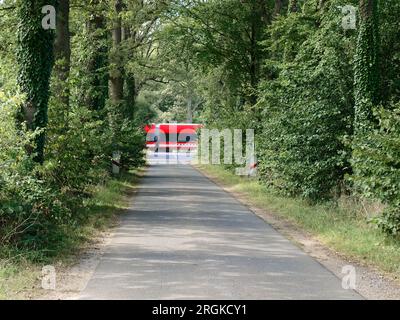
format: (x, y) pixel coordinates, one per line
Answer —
(186, 238)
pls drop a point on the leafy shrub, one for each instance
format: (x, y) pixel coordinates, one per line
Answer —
(26, 201)
(131, 144)
(39, 202)
(77, 151)
(308, 107)
(376, 161)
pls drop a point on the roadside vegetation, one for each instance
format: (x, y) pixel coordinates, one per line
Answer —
(20, 269)
(321, 92)
(67, 105)
(342, 226)
(318, 81)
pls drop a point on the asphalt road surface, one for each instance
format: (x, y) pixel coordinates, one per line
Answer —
(186, 238)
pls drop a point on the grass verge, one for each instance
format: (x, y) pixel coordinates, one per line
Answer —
(340, 226)
(20, 275)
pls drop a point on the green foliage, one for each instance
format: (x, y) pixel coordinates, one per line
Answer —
(377, 163)
(8, 77)
(28, 205)
(35, 60)
(90, 46)
(390, 50)
(127, 136)
(39, 203)
(77, 154)
(46, 184)
(367, 63)
(308, 107)
(227, 35)
(298, 78)
(376, 142)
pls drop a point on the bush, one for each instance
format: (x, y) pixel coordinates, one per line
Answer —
(308, 108)
(39, 203)
(376, 161)
(26, 201)
(77, 152)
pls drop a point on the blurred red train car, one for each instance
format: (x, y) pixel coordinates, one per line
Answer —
(170, 137)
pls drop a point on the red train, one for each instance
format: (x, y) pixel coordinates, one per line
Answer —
(169, 137)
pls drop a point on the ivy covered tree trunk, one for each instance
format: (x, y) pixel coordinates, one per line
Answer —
(367, 78)
(35, 59)
(62, 49)
(97, 63)
(375, 144)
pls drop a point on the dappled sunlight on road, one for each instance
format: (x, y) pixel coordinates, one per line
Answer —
(186, 238)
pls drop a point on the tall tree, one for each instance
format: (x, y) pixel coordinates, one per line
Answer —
(116, 72)
(62, 50)
(367, 78)
(97, 62)
(234, 47)
(258, 20)
(35, 57)
(277, 7)
(130, 80)
(140, 23)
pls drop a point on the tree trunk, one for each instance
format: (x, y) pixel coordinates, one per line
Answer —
(130, 80)
(130, 83)
(277, 8)
(97, 91)
(35, 58)
(62, 50)
(259, 22)
(367, 77)
(293, 6)
(189, 107)
(254, 67)
(116, 75)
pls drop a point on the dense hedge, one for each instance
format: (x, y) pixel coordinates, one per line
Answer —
(308, 106)
(317, 136)
(377, 163)
(37, 201)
